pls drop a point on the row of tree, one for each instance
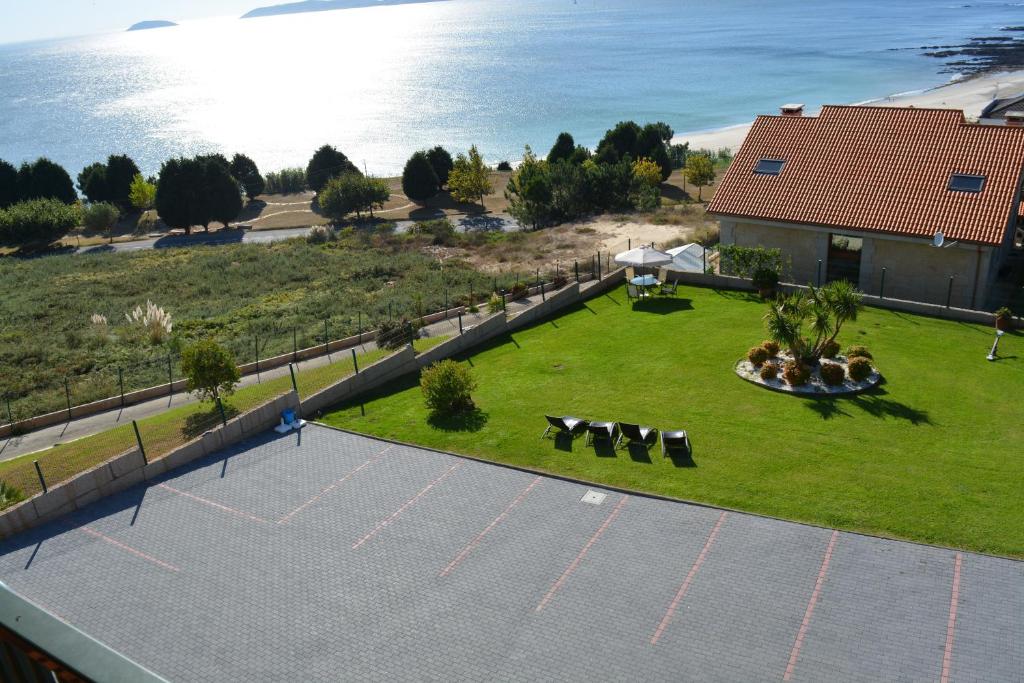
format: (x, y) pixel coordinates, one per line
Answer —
(41, 179)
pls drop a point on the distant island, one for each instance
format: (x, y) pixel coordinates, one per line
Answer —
(322, 6)
(146, 25)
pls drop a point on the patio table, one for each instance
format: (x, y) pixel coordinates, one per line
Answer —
(645, 282)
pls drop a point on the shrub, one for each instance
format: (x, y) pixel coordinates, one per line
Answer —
(859, 369)
(518, 290)
(321, 235)
(394, 334)
(210, 369)
(757, 355)
(494, 304)
(795, 373)
(9, 495)
(447, 386)
(771, 347)
(37, 222)
(441, 229)
(286, 181)
(832, 374)
(154, 320)
(100, 217)
(765, 278)
(769, 371)
(559, 281)
(504, 166)
(859, 352)
(146, 223)
(419, 180)
(829, 349)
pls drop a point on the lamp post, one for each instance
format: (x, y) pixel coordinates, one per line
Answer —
(995, 346)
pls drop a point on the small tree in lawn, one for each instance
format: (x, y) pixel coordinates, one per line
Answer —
(352, 192)
(141, 193)
(809, 321)
(442, 162)
(247, 173)
(469, 180)
(419, 179)
(447, 387)
(101, 217)
(210, 369)
(699, 171)
(327, 163)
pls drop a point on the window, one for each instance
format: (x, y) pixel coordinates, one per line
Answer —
(959, 182)
(769, 166)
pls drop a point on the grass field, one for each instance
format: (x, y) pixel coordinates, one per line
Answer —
(932, 455)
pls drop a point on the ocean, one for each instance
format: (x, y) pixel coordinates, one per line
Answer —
(382, 82)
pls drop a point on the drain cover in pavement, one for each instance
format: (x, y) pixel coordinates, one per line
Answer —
(593, 497)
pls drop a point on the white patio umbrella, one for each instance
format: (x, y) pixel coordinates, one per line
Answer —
(688, 258)
(643, 256)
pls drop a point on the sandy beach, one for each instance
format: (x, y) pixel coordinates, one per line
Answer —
(971, 95)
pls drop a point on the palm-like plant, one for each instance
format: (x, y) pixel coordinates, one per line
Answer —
(822, 310)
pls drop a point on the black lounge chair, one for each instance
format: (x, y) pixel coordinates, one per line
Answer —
(602, 430)
(635, 433)
(567, 425)
(669, 288)
(676, 439)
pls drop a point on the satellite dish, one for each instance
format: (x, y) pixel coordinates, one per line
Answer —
(939, 239)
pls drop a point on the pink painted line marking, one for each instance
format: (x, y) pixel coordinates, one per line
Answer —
(128, 548)
(333, 486)
(795, 652)
(681, 593)
(579, 558)
(407, 505)
(213, 504)
(497, 520)
(954, 599)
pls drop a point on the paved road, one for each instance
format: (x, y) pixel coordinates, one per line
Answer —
(469, 223)
(326, 556)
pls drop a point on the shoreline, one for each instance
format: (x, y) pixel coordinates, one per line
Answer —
(969, 94)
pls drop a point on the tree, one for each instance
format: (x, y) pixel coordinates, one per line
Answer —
(92, 182)
(563, 149)
(469, 180)
(141, 194)
(352, 192)
(37, 222)
(419, 179)
(529, 191)
(327, 163)
(442, 162)
(821, 310)
(247, 173)
(44, 179)
(121, 171)
(223, 194)
(8, 184)
(101, 217)
(699, 171)
(665, 132)
(618, 142)
(647, 172)
(179, 194)
(210, 370)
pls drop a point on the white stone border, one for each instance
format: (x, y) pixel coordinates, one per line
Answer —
(815, 386)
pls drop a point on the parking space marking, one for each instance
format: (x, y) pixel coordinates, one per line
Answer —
(497, 520)
(333, 486)
(394, 515)
(795, 652)
(127, 548)
(685, 586)
(954, 599)
(213, 504)
(579, 558)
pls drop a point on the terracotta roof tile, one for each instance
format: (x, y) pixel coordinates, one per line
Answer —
(881, 169)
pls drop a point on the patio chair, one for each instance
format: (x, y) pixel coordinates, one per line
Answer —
(669, 288)
(630, 273)
(633, 292)
(565, 425)
(634, 433)
(602, 430)
(675, 439)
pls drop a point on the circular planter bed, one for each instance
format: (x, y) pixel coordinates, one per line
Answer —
(815, 386)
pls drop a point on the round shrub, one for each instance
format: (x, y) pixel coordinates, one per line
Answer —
(772, 347)
(757, 356)
(859, 352)
(859, 369)
(447, 386)
(795, 374)
(769, 371)
(100, 217)
(832, 374)
(830, 349)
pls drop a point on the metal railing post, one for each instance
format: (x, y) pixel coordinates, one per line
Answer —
(295, 345)
(881, 287)
(576, 268)
(598, 265)
(120, 384)
(258, 378)
(504, 303)
(629, 243)
(355, 362)
(223, 415)
(949, 292)
(138, 440)
(67, 394)
(542, 297)
(460, 322)
(291, 371)
(39, 471)
(170, 377)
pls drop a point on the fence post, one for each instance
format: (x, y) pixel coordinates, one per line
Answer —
(120, 384)
(817, 281)
(460, 322)
(67, 393)
(598, 265)
(39, 471)
(355, 362)
(327, 339)
(445, 303)
(223, 415)
(295, 346)
(576, 268)
(704, 259)
(258, 379)
(170, 377)
(881, 287)
(138, 440)
(360, 328)
(538, 276)
(629, 243)
(504, 303)
(291, 371)
(10, 415)
(949, 292)
(542, 297)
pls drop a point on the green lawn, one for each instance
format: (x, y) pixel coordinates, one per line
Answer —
(933, 455)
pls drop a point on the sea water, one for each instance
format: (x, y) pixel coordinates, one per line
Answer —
(382, 82)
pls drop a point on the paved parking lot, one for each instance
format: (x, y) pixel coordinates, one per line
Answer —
(329, 556)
